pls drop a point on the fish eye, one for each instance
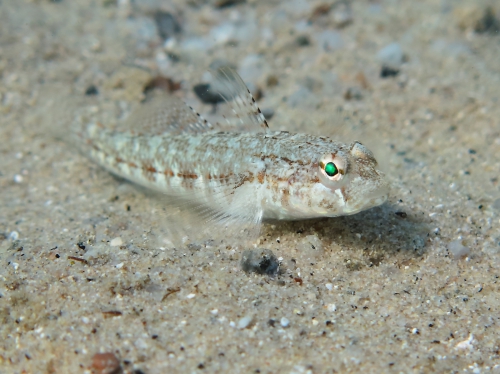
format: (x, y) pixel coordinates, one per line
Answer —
(331, 169)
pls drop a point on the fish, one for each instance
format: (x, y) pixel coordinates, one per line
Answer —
(238, 174)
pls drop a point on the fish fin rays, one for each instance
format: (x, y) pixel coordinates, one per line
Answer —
(246, 114)
(231, 214)
(165, 114)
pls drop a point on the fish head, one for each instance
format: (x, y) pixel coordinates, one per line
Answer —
(342, 181)
(349, 182)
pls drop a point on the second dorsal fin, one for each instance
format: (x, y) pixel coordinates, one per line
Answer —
(170, 114)
(237, 95)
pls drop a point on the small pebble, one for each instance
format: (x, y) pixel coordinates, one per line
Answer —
(244, 322)
(457, 249)
(401, 214)
(268, 113)
(91, 91)
(466, 344)
(302, 40)
(105, 363)
(226, 3)
(167, 24)
(285, 322)
(116, 242)
(391, 56)
(260, 261)
(14, 235)
(207, 95)
(141, 344)
(18, 178)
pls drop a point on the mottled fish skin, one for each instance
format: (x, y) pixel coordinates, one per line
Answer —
(250, 176)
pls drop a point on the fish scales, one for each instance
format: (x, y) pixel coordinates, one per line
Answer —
(238, 175)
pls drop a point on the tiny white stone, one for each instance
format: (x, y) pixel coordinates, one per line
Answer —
(214, 311)
(116, 242)
(232, 324)
(18, 178)
(332, 307)
(119, 266)
(190, 296)
(141, 344)
(15, 265)
(244, 322)
(285, 322)
(466, 344)
(457, 249)
(391, 56)
(329, 286)
(85, 320)
(14, 235)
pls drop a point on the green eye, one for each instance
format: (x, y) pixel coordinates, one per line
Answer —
(331, 170)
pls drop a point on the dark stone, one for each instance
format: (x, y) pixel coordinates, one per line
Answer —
(91, 91)
(227, 3)
(302, 40)
(268, 113)
(387, 72)
(206, 95)
(167, 24)
(260, 261)
(401, 214)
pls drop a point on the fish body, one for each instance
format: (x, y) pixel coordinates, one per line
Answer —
(238, 176)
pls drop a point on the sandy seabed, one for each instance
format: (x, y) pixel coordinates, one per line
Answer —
(88, 285)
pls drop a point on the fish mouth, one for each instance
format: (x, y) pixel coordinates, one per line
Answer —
(366, 200)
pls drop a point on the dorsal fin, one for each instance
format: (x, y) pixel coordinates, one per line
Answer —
(170, 114)
(165, 114)
(237, 95)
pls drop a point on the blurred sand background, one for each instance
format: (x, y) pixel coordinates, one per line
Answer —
(86, 283)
